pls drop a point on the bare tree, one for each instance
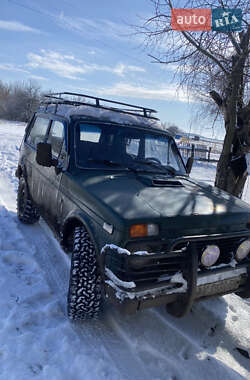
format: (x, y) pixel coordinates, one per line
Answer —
(172, 128)
(4, 93)
(19, 101)
(214, 66)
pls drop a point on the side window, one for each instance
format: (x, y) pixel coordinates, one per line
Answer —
(56, 137)
(132, 146)
(38, 131)
(90, 133)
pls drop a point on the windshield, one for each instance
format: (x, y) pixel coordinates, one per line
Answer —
(103, 146)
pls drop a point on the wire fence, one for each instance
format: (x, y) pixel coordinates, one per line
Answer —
(199, 154)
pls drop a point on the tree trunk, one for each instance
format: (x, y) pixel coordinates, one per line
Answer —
(226, 179)
(231, 177)
(231, 171)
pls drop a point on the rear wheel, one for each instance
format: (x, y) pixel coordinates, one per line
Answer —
(85, 291)
(27, 212)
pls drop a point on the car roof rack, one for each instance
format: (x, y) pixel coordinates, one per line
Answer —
(64, 98)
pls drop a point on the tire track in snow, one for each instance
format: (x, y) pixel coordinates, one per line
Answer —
(211, 327)
(167, 348)
(55, 266)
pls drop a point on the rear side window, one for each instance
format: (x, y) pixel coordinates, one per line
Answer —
(38, 131)
(56, 137)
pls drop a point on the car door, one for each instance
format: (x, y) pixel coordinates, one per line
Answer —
(56, 137)
(37, 132)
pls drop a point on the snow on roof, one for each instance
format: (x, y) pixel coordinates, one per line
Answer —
(103, 114)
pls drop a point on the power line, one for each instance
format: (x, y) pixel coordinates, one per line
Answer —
(26, 7)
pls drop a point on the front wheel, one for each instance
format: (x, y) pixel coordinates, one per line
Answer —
(244, 294)
(85, 291)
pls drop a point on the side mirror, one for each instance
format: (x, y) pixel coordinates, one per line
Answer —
(189, 164)
(44, 155)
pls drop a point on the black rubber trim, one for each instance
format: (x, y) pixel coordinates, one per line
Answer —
(183, 305)
(197, 238)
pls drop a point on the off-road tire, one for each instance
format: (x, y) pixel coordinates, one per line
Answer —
(27, 212)
(244, 294)
(85, 290)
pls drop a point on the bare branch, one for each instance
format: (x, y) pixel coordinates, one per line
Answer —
(203, 51)
(235, 43)
(157, 60)
(216, 97)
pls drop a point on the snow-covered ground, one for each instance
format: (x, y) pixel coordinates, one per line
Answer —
(37, 341)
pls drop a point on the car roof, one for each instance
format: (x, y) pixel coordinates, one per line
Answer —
(70, 107)
(72, 118)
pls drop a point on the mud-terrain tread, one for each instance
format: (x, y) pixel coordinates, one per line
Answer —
(84, 295)
(27, 212)
(244, 294)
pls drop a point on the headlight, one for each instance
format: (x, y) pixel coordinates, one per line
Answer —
(142, 230)
(243, 250)
(210, 255)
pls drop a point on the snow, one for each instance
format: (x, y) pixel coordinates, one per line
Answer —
(38, 342)
(204, 172)
(232, 264)
(210, 278)
(144, 294)
(121, 294)
(123, 251)
(178, 278)
(119, 250)
(142, 253)
(117, 281)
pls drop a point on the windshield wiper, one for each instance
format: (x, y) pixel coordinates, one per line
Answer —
(167, 168)
(112, 163)
(106, 162)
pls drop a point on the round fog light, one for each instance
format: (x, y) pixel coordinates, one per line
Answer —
(243, 250)
(210, 255)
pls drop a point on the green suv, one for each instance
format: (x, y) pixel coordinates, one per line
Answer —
(115, 190)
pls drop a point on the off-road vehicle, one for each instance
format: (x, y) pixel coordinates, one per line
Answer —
(115, 189)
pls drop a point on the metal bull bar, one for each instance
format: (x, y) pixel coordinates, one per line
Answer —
(134, 287)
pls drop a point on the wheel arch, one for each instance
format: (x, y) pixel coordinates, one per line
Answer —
(21, 171)
(77, 220)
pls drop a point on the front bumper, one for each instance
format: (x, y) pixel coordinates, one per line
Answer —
(131, 282)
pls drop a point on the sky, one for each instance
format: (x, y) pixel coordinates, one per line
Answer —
(90, 47)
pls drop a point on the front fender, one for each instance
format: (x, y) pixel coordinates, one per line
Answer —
(75, 218)
(97, 233)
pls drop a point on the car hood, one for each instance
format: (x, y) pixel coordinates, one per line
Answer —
(171, 200)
